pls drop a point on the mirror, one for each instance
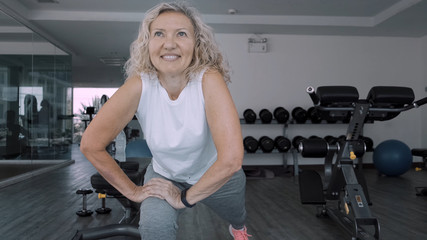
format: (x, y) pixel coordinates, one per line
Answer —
(35, 103)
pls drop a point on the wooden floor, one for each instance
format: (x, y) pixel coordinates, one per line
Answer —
(44, 208)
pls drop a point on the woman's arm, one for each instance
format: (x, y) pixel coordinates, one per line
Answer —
(224, 124)
(107, 124)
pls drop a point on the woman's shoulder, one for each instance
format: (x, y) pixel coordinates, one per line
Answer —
(141, 78)
(211, 71)
(133, 83)
(213, 82)
(132, 80)
(211, 75)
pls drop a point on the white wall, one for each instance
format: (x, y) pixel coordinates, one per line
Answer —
(280, 77)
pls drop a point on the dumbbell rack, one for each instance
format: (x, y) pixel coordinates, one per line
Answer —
(292, 151)
(258, 123)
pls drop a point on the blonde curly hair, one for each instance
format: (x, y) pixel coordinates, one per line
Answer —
(206, 52)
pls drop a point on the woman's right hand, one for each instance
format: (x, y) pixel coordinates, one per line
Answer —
(143, 192)
(159, 188)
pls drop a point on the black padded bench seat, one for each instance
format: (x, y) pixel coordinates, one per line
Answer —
(391, 96)
(386, 97)
(131, 170)
(337, 95)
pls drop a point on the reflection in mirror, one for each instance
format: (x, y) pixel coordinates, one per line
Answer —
(35, 103)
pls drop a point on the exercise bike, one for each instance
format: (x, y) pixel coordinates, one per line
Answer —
(343, 193)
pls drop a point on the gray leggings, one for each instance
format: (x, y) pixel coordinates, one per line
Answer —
(158, 220)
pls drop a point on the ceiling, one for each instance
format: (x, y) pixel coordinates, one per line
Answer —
(91, 29)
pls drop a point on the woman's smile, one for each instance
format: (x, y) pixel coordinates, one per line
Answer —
(170, 57)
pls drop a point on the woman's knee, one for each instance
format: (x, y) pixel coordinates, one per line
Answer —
(236, 186)
(157, 217)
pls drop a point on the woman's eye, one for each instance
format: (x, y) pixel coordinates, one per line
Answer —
(182, 34)
(158, 34)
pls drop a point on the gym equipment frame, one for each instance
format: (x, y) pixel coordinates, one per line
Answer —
(343, 193)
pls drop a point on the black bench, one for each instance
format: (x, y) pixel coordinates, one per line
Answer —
(101, 186)
(127, 226)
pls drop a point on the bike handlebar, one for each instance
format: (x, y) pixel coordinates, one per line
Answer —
(313, 95)
(420, 102)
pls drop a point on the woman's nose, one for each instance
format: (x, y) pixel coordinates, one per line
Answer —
(170, 42)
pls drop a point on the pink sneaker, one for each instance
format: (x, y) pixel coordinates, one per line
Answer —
(239, 234)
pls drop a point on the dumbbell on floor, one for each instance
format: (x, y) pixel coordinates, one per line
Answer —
(103, 209)
(84, 212)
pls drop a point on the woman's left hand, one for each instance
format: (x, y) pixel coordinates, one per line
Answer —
(166, 189)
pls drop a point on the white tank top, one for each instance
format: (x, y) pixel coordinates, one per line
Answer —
(176, 131)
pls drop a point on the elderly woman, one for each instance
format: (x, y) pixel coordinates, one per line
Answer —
(176, 87)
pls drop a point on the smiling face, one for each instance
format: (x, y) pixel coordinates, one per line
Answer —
(171, 44)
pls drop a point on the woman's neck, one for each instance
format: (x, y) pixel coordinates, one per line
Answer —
(173, 85)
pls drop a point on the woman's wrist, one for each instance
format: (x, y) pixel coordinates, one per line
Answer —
(184, 198)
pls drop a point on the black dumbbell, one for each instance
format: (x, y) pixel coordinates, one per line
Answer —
(250, 144)
(296, 140)
(266, 144)
(84, 212)
(314, 115)
(249, 115)
(266, 116)
(299, 115)
(103, 209)
(281, 115)
(282, 143)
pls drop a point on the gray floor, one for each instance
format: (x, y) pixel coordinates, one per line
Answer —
(10, 170)
(44, 208)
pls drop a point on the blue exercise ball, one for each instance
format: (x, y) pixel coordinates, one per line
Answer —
(138, 148)
(392, 158)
